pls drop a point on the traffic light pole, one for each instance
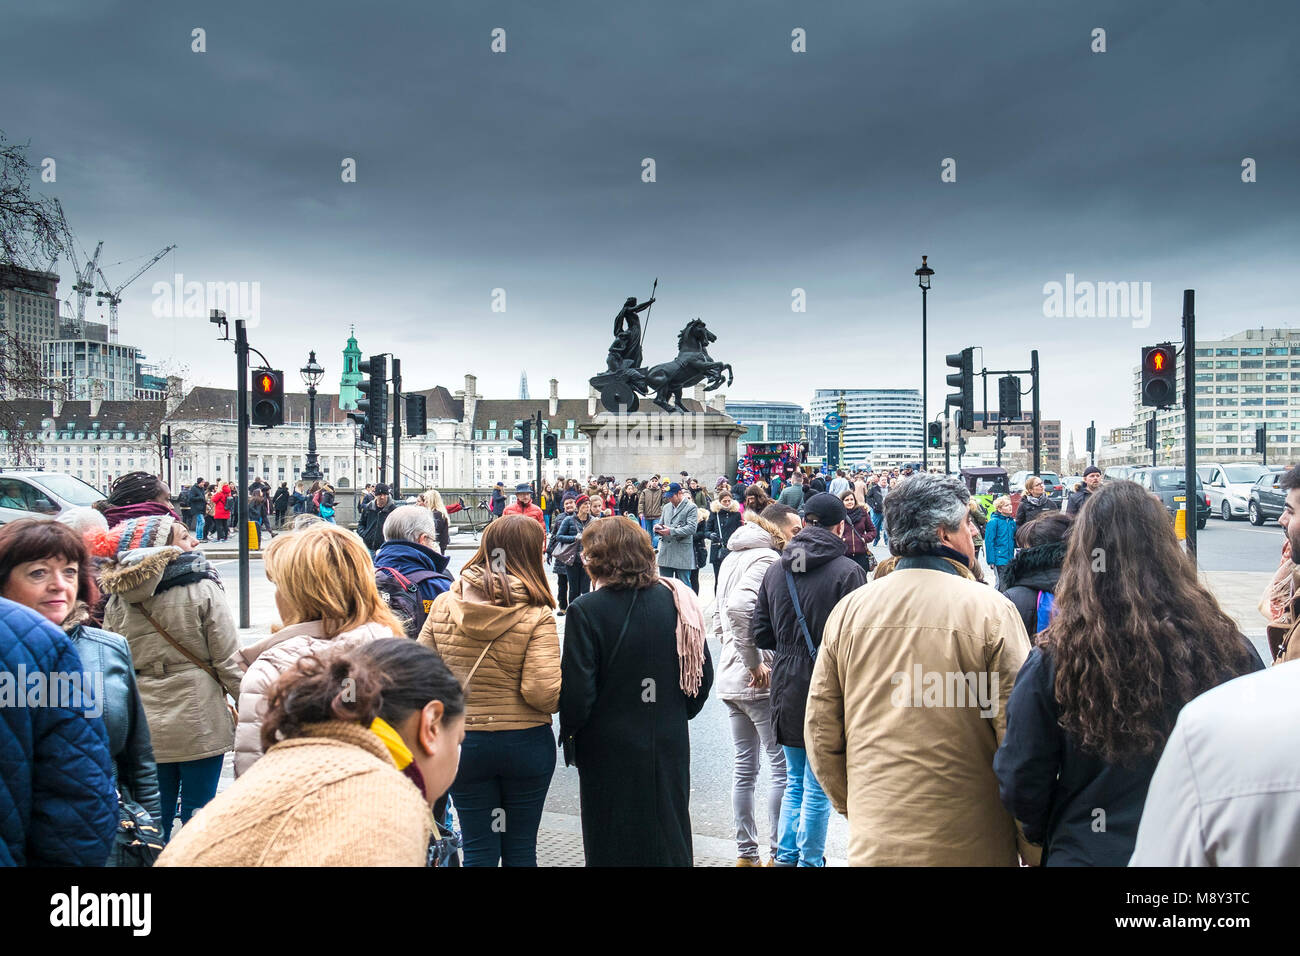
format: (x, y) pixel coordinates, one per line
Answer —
(540, 455)
(241, 479)
(397, 427)
(169, 457)
(1033, 371)
(1191, 501)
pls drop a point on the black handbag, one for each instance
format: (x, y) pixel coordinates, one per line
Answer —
(138, 841)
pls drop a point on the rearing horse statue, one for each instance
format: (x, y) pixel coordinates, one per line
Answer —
(692, 366)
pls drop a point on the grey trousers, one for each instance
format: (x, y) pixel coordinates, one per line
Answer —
(751, 732)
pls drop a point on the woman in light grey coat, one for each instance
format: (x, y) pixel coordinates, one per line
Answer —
(744, 679)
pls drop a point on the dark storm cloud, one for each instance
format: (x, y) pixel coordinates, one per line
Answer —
(775, 170)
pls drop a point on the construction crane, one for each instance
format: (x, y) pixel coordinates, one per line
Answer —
(115, 296)
(85, 278)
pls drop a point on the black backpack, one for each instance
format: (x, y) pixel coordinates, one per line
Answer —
(402, 594)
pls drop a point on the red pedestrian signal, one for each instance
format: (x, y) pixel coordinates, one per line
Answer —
(1159, 375)
(268, 398)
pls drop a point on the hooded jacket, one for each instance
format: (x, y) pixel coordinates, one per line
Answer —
(517, 684)
(410, 557)
(186, 708)
(371, 524)
(1031, 572)
(822, 576)
(650, 503)
(263, 662)
(752, 551)
(999, 539)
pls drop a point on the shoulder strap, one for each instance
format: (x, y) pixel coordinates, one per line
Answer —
(162, 631)
(798, 611)
(470, 676)
(401, 578)
(618, 641)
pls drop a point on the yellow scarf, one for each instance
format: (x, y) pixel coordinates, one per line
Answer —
(397, 748)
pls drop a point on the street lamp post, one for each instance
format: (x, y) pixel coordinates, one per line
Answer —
(923, 280)
(312, 373)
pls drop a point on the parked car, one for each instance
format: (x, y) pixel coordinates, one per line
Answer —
(1071, 484)
(1229, 484)
(42, 494)
(1118, 472)
(1267, 499)
(1170, 486)
(1052, 484)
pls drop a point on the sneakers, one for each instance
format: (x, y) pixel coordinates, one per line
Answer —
(746, 861)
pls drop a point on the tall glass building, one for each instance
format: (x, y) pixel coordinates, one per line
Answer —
(875, 419)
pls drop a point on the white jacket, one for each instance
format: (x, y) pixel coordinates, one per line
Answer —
(1227, 789)
(750, 554)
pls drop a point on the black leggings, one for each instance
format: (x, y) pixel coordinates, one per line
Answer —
(223, 528)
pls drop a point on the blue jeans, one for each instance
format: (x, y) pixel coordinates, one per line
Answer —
(499, 792)
(649, 523)
(196, 783)
(681, 574)
(198, 526)
(878, 520)
(805, 814)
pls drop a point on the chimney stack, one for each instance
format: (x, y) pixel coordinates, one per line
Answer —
(591, 402)
(555, 396)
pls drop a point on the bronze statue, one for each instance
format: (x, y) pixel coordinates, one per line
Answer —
(625, 379)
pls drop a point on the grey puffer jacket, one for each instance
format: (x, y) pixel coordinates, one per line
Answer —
(752, 551)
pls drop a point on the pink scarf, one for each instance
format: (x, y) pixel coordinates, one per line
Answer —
(690, 635)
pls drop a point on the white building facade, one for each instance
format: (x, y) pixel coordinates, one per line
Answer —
(886, 420)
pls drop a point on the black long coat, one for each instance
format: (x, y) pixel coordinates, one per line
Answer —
(628, 718)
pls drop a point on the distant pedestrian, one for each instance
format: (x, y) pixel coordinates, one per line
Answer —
(1033, 502)
(1000, 537)
(1091, 483)
(676, 530)
(370, 526)
(1031, 577)
(524, 505)
(725, 518)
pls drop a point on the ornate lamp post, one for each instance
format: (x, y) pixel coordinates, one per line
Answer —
(311, 375)
(923, 280)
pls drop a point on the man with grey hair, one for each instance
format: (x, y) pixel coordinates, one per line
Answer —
(410, 572)
(907, 704)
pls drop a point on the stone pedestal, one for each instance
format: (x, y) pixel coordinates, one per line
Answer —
(642, 444)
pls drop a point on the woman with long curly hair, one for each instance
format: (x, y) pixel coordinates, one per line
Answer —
(1134, 636)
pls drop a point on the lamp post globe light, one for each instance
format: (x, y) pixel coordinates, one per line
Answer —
(923, 280)
(312, 373)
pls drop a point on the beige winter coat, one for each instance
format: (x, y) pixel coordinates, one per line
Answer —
(896, 728)
(187, 711)
(332, 797)
(266, 660)
(517, 685)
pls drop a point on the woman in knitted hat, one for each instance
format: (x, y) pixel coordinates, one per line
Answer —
(168, 603)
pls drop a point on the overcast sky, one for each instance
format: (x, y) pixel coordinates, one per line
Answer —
(775, 170)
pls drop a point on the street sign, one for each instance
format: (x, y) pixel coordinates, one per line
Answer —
(833, 422)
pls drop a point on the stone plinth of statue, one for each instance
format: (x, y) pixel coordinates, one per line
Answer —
(637, 445)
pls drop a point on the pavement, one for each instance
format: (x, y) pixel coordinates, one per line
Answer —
(1237, 563)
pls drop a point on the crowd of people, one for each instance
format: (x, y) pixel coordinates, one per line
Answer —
(1078, 697)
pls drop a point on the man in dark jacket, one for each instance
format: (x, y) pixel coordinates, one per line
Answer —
(1091, 482)
(498, 505)
(198, 507)
(58, 805)
(371, 523)
(812, 566)
(409, 550)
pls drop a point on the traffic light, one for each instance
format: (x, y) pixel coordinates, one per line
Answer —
(1092, 438)
(525, 438)
(963, 380)
(1151, 433)
(935, 439)
(1259, 439)
(550, 446)
(268, 398)
(1159, 375)
(1002, 440)
(372, 406)
(417, 422)
(1009, 397)
(167, 444)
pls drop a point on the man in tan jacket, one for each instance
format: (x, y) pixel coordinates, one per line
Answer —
(907, 704)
